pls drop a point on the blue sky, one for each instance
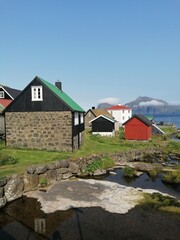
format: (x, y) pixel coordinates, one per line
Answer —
(116, 49)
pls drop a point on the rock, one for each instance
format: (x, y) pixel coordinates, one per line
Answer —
(50, 175)
(1, 192)
(64, 163)
(63, 170)
(138, 174)
(58, 174)
(140, 166)
(31, 169)
(110, 196)
(73, 168)
(83, 168)
(13, 188)
(3, 182)
(57, 164)
(41, 169)
(112, 173)
(30, 181)
(67, 175)
(2, 202)
(51, 166)
(99, 172)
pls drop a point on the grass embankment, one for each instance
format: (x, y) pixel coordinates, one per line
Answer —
(17, 160)
(158, 201)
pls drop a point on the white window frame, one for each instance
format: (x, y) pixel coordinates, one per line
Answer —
(1, 94)
(36, 93)
(76, 118)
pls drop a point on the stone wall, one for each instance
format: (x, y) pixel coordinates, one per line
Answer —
(39, 130)
(2, 130)
(38, 176)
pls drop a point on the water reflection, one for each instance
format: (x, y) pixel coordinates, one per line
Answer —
(23, 219)
(145, 182)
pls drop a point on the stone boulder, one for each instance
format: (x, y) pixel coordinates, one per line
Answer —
(31, 169)
(74, 168)
(50, 176)
(64, 163)
(100, 172)
(14, 188)
(41, 169)
(51, 166)
(30, 181)
(2, 202)
(3, 182)
(1, 192)
(67, 175)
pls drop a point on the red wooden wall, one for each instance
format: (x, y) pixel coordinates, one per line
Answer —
(137, 130)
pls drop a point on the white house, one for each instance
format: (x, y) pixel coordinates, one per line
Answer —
(120, 113)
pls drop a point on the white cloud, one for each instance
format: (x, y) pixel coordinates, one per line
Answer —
(109, 100)
(151, 103)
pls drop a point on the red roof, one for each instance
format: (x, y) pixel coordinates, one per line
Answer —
(118, 107)
(5, 102)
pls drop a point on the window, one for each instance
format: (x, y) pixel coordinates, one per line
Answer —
(1, 94)
(36, 93)
(82, 118)
(76, 118)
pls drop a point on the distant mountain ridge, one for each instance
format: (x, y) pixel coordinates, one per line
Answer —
(149, 106)
(146, 101)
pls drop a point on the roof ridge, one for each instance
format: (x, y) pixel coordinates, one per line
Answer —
(62, 95)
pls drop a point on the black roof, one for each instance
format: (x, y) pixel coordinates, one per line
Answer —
(13, 92)
(142, 118)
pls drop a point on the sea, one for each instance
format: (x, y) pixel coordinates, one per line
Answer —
(175, 120)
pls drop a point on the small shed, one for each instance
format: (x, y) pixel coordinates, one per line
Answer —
(103, 125)
(156, 130)
(138, 127)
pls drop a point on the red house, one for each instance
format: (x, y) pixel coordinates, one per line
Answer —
(138, 127)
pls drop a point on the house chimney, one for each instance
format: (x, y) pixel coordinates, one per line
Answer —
(58, 84)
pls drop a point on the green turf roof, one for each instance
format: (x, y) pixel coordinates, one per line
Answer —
(63, 96)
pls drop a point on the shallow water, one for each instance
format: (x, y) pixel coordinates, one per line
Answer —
(145, 182)
(23, 219)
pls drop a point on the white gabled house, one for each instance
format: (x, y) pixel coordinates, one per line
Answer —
(120, 113)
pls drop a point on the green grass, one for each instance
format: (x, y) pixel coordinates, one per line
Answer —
(103, 163)
(158, 201)
(172, 177)
(128, 172)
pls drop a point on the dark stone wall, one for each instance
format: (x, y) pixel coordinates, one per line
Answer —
(39, 130)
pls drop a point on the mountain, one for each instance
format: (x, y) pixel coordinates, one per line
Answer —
(152, 106)
(146, 101)
(149, 106)
(104, 105)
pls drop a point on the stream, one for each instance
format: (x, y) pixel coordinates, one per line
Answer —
(23, 219)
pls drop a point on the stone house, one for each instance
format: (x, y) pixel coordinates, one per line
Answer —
(43, 116)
